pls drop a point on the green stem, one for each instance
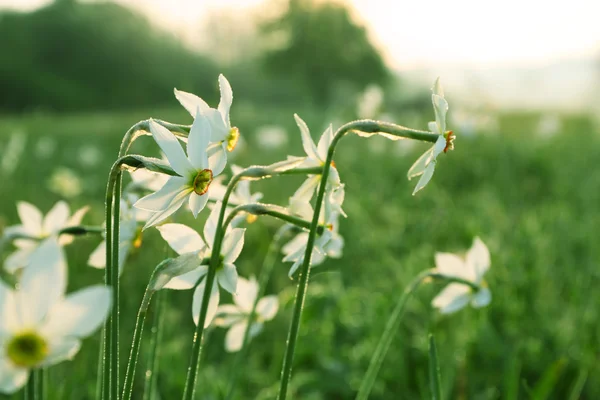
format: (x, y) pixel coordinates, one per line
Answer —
(271, 210)
(107, 334)
(99, 375)
(151, 374)
(368, 126)
(29, 392)
(392, 327)
(265, 274)
(435, 378)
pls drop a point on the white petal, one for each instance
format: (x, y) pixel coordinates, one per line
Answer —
(197, 203)
(438, 147)
(295, 267)
(17, 259)
(227, 315)
(217, 158)
(210, 226)
(172, 149)
(228, 277)
(452, 265)
(187, 280)
(440, 107)
(454, 297)
(482, 298)
(307, 142)
(267, 307)
(57, 217)
(9, 319)
(191, 102)
(98, 257)
(79, 314)
(432, 126)
(160, 216)
(235, 336)
(219, 128)
(233, 243)
(324, 142)
(198, 139)
(181, 238)
(437, 88)
(478, 259)
(298, 243)
(31, 218)
(159, 201)
(74, 220)
(226, 98)
(43, 282)
(12, 378)
(213, 302)
(425, 178)
(306, 190)
(247, 290)
(419, 166)
(62, 349)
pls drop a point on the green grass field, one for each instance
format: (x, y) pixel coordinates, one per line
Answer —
(534, 200)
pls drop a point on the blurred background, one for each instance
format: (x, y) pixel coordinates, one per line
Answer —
(522, 80)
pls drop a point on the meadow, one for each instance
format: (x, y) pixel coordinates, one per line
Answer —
(533, 198)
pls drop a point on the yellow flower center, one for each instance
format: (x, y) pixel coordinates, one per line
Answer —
(27, 349)
(202, 181)
(232, 138)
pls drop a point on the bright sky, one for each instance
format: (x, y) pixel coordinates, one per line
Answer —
(424, 33)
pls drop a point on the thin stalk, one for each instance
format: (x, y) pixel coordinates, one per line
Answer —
(29, 392)
(116, 287)
(368, 126)
(435, 378)
(271, 210)
(99, 375)
(392, 327)
(265, 274)
(151, 375)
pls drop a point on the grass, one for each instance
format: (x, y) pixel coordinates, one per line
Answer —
(534, 201)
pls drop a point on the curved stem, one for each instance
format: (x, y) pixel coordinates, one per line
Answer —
(151, 374)
(368, 126)
(271, 210)
(392, 327)
(265, 274)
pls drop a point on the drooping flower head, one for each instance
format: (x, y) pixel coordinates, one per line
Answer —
(455, 296)
(39, 326)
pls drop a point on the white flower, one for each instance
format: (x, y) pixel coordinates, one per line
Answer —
(142, 179)
(237, 316)
(184, 239)
(222, 131)
(39, 326)
(425, 165)
(456, 296)
(196, 172)
(316, 156)
(37, 227)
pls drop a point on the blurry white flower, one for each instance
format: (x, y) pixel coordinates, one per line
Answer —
(89, 156)
(549, 125)
(35, 227)
(316, 157)
(196, 172)
(456, 296)
(15, 147)
(271, 137)
(237, 316)
(65, 182)
(142, 179)
(184, 239)
(45, 147)
(370, 101)
(39, 326)
(425, 165)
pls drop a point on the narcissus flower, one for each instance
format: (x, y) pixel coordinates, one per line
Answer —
(39, 326)
(184, 239)
(237, 316)
(196, 172)
(316, 156)
(456, 296)
(222, 131)
(425, 165)
(35, 227)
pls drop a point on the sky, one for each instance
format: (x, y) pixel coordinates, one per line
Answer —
(422, 33)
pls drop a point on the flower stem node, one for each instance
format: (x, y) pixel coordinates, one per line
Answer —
(232, 138)
(202, 181)
(27, 349)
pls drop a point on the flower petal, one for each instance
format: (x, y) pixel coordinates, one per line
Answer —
(31, 218)
(437, 88)
(12, 378)
(432, 126)
(228, 278)
(478, 259)
(160, 216)
(172, 149)
(197, 203)
(219, 128)
(454, 297)
(187, 280)
(198, 139)
(228, 314)
(213, 303)
(438, 147)
(482, 298)
(74, 220)
(246, 293)
(452, 265)
(324, 143)
(425, 178)
(226, 98)
(160, 200)
(234, 338)
(65, 348)
(233, 243)
(306, 190)
(210, 226)
(307, 142)
(191, 102)
(9, 319)
(18, 259)
(419, 166)
(440, 107)
(181, 238)
(43, 282)
(267, 307)
(217, 158)
(79, 314)
(57, 217)
(98, 257)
